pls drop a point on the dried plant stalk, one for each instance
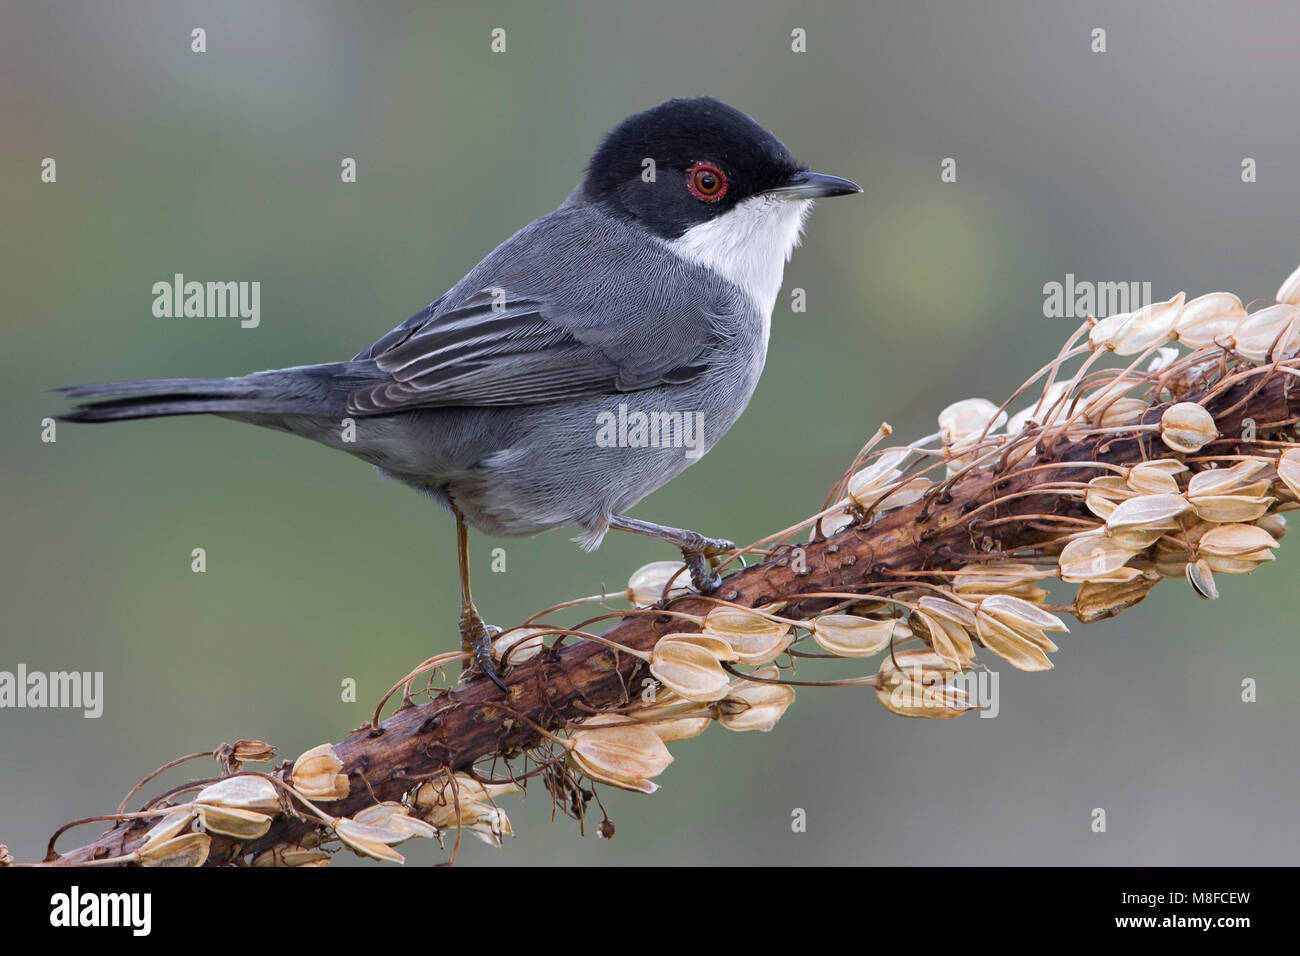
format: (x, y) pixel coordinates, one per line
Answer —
(1111, 479)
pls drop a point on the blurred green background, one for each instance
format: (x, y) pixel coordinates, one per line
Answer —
(225, 166)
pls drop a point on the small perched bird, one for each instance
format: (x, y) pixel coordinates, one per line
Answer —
(587, 361)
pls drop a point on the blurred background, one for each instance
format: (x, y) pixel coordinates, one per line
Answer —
(225, 165)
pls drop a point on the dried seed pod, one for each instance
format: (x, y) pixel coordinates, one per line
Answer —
(191, 849)
(755, 639)
(519, 644)
(848, 636)
(1021, 615)
(396, 818)
(646, 585)
(625, 757)
(831, 524)
(242, 792)
(676, 728)
(1148, 513)
(1050, 408)
(1270, 330)
(1149, 326)
(1288, 470)
(1092, 556)
(1100, 600)
(435, 800)
(1106, 332)
(1209, 320)
(1274, 524)
(1163, 359)
(1015, 647)
(1001, 577)
(366, 840)
(292, 855)
(316, 774)
(1156, 477)
(1236, 541)
(1186, 427)
(917, 683)
(1104, 494)
(906, 494)
(867, 484)
(1289, 290)
(689, 669)
(755, 705)
(492, 827)
(1230, 508)
(176, 822)
(1201, 578)
(962, 423)
(239, 824)
(1226, 481)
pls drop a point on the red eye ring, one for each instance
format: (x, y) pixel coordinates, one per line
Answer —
(706, 182)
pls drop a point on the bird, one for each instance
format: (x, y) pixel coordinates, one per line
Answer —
(585, 362)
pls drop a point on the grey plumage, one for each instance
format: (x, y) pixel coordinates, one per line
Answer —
(646, 293)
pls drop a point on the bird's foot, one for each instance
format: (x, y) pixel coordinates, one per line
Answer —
(476, 638)
(700, 553)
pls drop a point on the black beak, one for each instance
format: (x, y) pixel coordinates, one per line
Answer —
(814, 186)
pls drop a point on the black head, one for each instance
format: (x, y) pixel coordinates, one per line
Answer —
(707, 157)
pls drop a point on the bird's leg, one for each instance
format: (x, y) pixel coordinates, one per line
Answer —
(697, 550)
(475, 636)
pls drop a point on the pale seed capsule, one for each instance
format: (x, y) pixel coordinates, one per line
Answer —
(492, 827)
(191, 849)
(1163, 359)
(755, 705)
(1106, 410)
(678, 728)
(1001, 577)
(908, 493)
(1201, 578)
(719, 647)
(394, 817)
(1224, 481)
(519, 645)
(625, 757)
(1015, 648)
(1096, 601)
(1186, 427)
(1244, 564)
(915, 683)
(172, 825)
(1230, 508)
(316, 774)
(239, 824)
(950, 639)
(754, 638)
(1274, 524)
(1255, 337)
(1021, 615)
(866, 484)
(435, 798)
(1148, 513)
(962, 423)
(1049, 408)
(1150, 326)
(292, 855)
(646, 586)
(366, 840)
(1288, 470)
(1289, 291)
(848, 636)
(1104, 494)
(1092, 556)
(1236, 541)
(242, 792)
(1209, 320)
(1106, 332)
(832, 524)
(1156, 477)
(689, 670)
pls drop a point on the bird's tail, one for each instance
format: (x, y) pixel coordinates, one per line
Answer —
(307, 390)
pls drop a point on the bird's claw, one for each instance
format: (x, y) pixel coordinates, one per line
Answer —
(476, 638)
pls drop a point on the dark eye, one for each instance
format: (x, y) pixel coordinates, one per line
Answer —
(706, 182)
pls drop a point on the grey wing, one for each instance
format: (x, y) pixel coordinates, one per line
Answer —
(496, 349)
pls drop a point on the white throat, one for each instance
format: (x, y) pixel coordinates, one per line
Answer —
(749, 245)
